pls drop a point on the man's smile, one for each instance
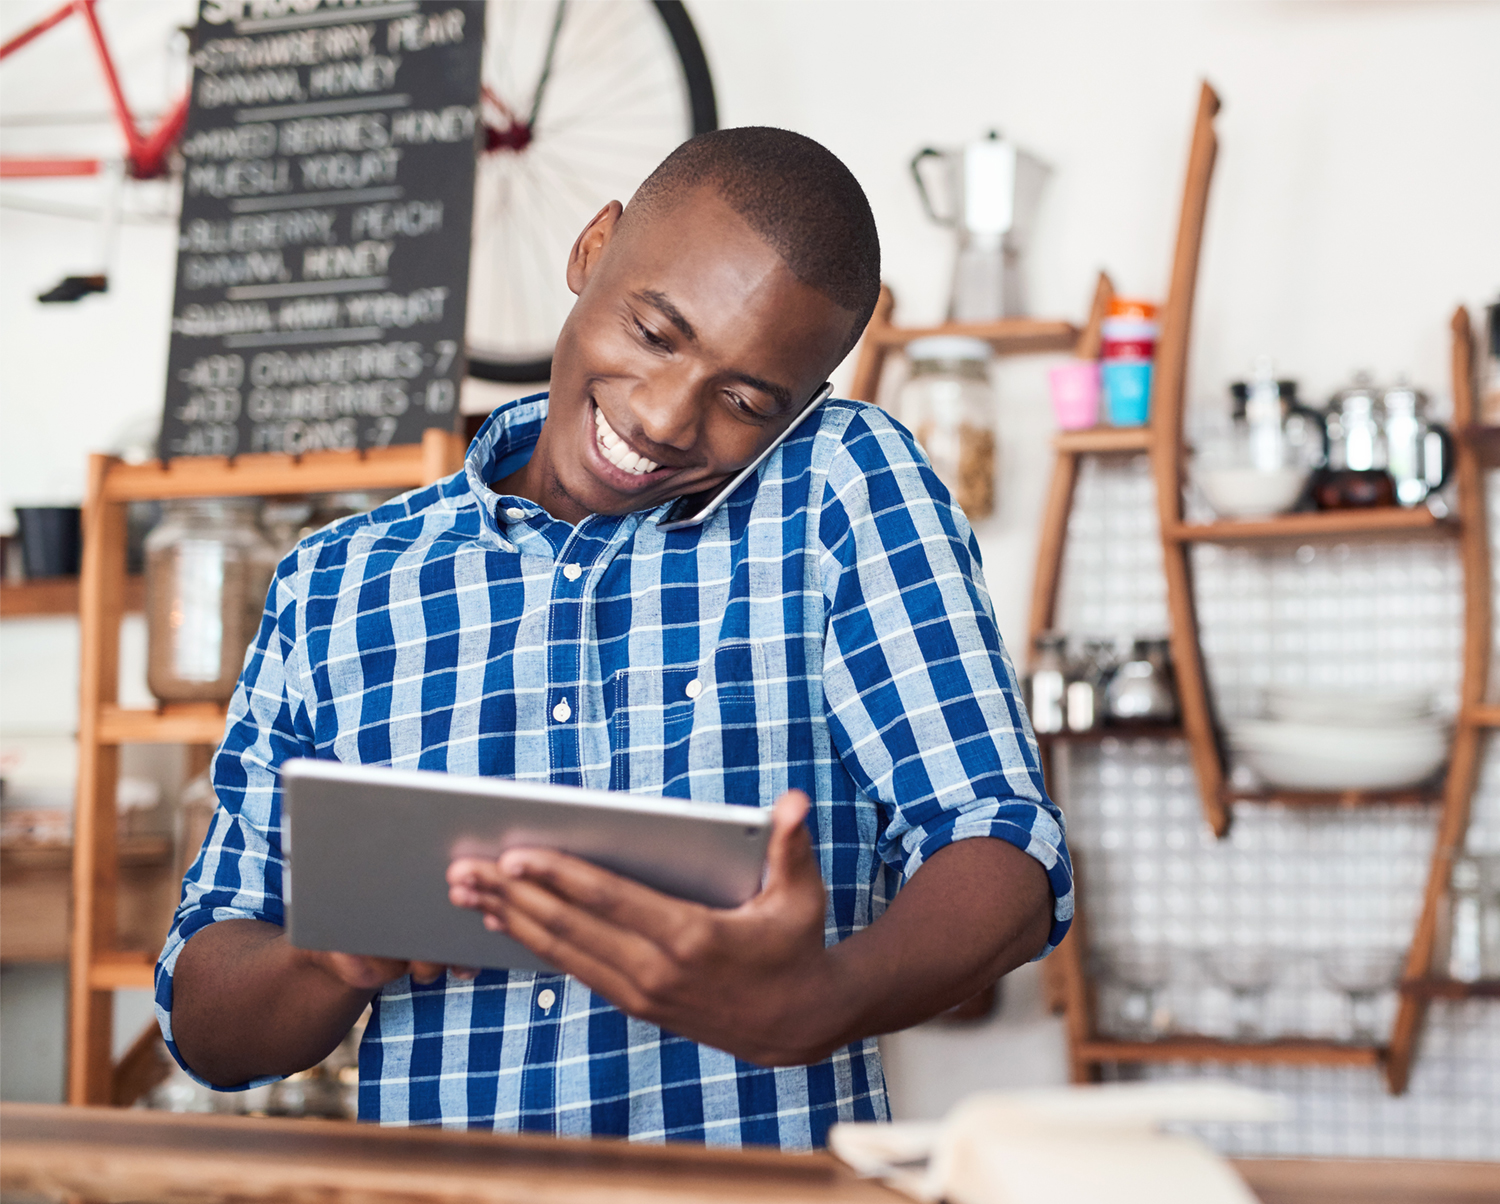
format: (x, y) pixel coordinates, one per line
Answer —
(619, 453)
(618, 464)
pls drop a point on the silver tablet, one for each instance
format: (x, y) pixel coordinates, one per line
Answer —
(368, 851)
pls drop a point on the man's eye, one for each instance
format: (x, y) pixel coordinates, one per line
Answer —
(650, 336)
(745, 409)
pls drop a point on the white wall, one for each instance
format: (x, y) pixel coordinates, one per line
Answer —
(1354, 206)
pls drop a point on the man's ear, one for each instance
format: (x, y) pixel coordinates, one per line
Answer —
(589, 249)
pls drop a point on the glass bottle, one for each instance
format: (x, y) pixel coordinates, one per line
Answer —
(948, 404)
(1142, 689)
(1086, 685)
(1048, 684)
(1489, 918)
(1465, 921)
(207, 570)
(1489, 368)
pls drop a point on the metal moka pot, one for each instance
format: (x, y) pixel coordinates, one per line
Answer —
(1419, 451)
(990, 196)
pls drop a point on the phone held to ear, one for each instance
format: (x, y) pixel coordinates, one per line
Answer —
(683, 515)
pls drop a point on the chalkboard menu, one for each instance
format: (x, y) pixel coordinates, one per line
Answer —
(323, 256)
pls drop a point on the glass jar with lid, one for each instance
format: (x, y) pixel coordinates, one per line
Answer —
(207, 570)
(947, 403)
(1047, 686)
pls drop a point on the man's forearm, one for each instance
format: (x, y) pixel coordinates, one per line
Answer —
(975, 911)
(246, 1004)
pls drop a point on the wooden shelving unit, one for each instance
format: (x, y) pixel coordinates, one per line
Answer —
(1012, 336)
(101, 959)
(1113, 731)
(1210, 1049)
(1449, 988)
(1163, 442)
(50, 596)
(1384, 522)
(1416, 797)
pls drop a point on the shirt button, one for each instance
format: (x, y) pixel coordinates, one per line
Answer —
(562, 712)
(572, 572)
(546, 999)
(694, 688)
(516, 513)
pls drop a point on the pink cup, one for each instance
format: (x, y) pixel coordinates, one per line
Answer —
(1075, 394)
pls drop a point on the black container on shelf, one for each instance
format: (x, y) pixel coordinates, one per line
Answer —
(50, 540)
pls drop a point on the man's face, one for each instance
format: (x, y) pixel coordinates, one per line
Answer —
(690, 348)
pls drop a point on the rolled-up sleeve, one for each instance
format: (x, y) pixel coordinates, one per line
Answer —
(921, 696)
(240, 871)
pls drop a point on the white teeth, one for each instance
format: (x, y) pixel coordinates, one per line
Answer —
(617, 451)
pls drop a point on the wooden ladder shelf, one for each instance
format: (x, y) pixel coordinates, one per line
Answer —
(1162, 441)
(97, 967)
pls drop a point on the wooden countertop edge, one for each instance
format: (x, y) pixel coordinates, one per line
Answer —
(1369, 1181)
(114, 1155)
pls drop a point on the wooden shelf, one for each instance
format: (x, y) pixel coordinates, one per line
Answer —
(1486, 714)
(1010, 336)
(1211, 1049)
(267, 475)
(1449, 988)
(125, 970)
(1114, 731)
(1377, 521)
(1103, 440)
(58, 596)
(36, 882)
(1485, 440)
(1416, 796)
(176, 723)
(58, 854)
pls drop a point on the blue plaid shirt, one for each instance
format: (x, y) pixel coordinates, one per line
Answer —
(827, 629)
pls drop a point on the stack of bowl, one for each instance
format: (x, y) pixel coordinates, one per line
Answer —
(1343, 739)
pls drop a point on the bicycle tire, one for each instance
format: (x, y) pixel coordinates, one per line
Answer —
(702, 106)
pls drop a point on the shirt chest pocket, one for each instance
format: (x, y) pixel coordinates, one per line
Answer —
(708, 732)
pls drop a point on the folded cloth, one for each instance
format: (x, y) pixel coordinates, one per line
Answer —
(1070, 1145)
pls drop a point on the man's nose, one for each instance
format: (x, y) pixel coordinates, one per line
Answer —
(669, 414)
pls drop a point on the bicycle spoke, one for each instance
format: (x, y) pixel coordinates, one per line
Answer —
(608, 96)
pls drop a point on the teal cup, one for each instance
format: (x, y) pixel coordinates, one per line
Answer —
(1127, 391)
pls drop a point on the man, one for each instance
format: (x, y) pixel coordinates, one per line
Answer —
(823, 640)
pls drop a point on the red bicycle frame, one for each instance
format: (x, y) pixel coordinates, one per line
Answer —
(145, 154)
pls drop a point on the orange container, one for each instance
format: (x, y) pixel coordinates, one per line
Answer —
(1126, 307)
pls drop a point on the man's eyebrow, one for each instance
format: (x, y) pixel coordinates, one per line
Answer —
(659, 301)
(663, 304)
(780, 394)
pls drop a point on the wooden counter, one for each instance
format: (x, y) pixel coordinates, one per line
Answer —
(104, 1154)
(111, 1155)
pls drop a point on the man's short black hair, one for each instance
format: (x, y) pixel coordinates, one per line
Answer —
(797, 195)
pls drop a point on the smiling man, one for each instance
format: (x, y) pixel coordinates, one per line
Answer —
(821, 641)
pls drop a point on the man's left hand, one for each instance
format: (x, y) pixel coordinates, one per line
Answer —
(755, 980)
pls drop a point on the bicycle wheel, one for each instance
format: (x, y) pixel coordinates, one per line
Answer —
(580, 102)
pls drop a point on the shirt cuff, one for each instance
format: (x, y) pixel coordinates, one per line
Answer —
(166, 966)
(1028, 833)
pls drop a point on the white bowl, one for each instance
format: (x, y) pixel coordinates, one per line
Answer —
(1304, 756)
(1355, 708)
(1250, 492)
